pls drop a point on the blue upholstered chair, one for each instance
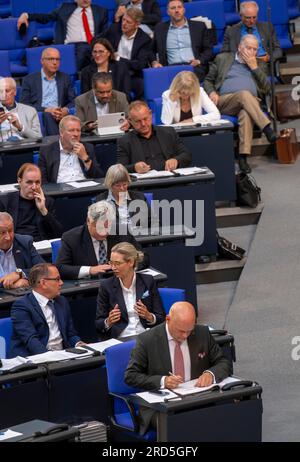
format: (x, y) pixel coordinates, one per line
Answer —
(5, 336)
(170, 296)
(55, 246)
(123, 414)
(4, 64)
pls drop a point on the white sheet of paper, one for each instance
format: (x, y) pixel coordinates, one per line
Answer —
(8, 187)
(156, 398)
(42, 245)
(189, 388)
(9, 434)
(8, 364)
(54, 356)
(102, 346)
(190, 170)
(149, 271)
(82, 184)
(152, 174)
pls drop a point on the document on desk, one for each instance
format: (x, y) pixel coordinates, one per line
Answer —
(8, 364)
(44, 245)
(9, 434)
(55, 356)
(82, 184)
(152, 174)
(190, 170)
(152, 397)
(102, 346)
(149, 271)
(8, 187)
(189, 388)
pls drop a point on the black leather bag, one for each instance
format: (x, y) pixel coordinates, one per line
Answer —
(247, 190)
(229, 250)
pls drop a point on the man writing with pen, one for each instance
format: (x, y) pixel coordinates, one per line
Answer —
(174, 352)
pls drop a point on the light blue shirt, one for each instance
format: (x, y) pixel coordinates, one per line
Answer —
(123, 209)
(49, 90)
(179, 45)
(101, 109)
(7, 262)
(261, 51)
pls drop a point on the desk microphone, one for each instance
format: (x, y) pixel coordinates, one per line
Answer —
(95, 352)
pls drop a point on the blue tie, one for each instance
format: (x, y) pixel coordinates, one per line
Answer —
(102, 253)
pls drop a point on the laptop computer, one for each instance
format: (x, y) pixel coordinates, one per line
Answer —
(109, 124)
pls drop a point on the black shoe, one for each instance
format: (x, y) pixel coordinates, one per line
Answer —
(270, 134)
(244, 166)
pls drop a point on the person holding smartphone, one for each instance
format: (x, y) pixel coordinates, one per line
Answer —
(41, 320)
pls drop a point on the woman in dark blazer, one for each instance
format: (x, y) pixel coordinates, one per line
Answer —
(103, 61)
(128, 303)
(117, 180)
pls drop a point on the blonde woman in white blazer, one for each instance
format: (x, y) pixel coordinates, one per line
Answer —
(185, 102)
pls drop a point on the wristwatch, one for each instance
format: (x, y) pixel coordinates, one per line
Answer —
(19, 272)
(86, 161)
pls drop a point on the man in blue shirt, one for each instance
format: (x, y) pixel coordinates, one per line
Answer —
(17, 255)
(49, 90)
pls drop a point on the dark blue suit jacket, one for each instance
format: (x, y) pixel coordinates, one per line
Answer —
(24, 253)
(32, 90)
(30, 332)
(63, 13)
(110, 293)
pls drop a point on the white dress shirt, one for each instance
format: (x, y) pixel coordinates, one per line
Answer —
(84, 271)
(75, 30)
(134, 326)
(55, 341)
(101, 109)
(69, 167)
(125, 46)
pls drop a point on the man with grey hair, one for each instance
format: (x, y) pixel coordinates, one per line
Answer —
(68, 159)
(17, 120)
(49, 91)
(17, 255)
(249, 24)
(235, 83)
(85, 250)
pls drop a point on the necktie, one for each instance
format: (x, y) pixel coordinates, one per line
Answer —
(86, 26)
(102, 253)
(178, 360)
(50, 305)
(249, 30)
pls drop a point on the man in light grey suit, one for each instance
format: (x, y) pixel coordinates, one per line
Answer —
(16, 119)
(265, 34)
(102, 99)
(155, 361)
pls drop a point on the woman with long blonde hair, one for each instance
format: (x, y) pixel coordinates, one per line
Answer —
(187, 102)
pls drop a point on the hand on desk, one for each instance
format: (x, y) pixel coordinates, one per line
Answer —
(141, 167)
(171, 164)
(13, 281)
(172, 381)
(205, 380)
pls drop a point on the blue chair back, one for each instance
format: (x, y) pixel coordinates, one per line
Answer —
(230, 10)
(110, 5)
(55, 246)
(5, 336)
(15, 44)
(293, 9)
(149, 197)
(279, 19)
(117, 359)
(4, 64)
(67, 53)
(35, 157)
(5, 8)
(170, 296)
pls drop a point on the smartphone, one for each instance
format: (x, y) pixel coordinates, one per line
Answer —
(77, 351)
(2, 109)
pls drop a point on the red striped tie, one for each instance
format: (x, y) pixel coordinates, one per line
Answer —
(86, 26)
(178, 360)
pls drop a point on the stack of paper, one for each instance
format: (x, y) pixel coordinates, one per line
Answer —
(152, 174)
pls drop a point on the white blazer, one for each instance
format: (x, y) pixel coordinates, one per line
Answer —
(171, 109)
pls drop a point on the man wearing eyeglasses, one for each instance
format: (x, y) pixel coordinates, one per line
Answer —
(101, 100)
(249, 24)
(49, 91)
(17, 255)
(42, 319)
(85, 250)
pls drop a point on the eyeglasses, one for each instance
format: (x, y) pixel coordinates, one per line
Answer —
(99, 52)
(116, 263)
(57, 279)
(52, 60)
(250, 17)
